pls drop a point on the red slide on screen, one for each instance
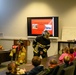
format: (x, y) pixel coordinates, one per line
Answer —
(38, 26)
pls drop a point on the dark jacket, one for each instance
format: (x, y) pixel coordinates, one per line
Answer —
(42, 42)
(35, 70)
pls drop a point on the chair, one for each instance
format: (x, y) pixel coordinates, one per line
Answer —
(55, 70)
(42, 72)
(61, 66)
(68, 71)
(74, 63)
(49, 71)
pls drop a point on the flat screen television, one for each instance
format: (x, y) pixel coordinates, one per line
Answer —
(36, 26)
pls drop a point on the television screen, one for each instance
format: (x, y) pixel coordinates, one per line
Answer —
(36, 26)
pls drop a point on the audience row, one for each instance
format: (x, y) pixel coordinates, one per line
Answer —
(66, 58)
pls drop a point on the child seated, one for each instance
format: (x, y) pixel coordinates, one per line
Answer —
(36, 62)
(67, 61)
(52, 68)
(74, 52)
(11, 69)
(65, 53)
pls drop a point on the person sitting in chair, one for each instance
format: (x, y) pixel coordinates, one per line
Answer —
(11, 68)
(67, 61)
(52, 68)
(36, 62)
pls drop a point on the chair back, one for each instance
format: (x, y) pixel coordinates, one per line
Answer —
(61, 66)
(74, 63)
(49, 71)
(68, 70)
(42, 72)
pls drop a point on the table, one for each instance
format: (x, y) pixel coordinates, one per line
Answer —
(4, 56)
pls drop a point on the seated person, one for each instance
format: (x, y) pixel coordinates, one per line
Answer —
(74, 52)
(11, 69)
(65, 53)
(67, 61)
(36, 61)
(71, 51)
(52, 68)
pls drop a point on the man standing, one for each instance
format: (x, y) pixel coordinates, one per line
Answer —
(41, 44)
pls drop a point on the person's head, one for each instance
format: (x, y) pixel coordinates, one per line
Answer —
(36, 61)
(66, 49)
(66, 59)
(71, 51)
(75, 49)
(46, 34)
(52, 63)
(12, 67)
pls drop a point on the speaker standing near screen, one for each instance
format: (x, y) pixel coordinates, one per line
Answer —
(41, 44)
